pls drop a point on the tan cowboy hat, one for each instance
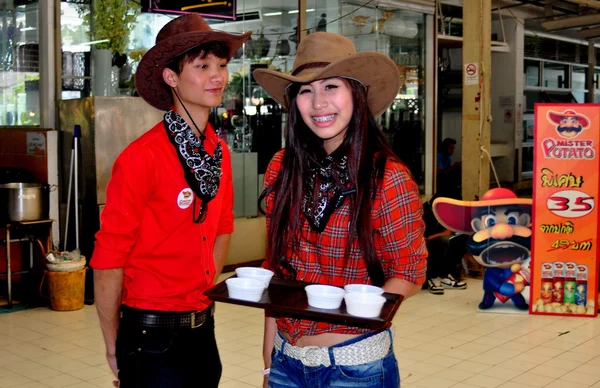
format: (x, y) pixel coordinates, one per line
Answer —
(324, 55)
(175, 38)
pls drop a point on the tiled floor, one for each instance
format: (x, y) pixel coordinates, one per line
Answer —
(441, 341)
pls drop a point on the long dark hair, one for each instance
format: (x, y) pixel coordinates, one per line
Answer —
(363, 142)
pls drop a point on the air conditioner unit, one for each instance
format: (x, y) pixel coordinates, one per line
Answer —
(248, 15)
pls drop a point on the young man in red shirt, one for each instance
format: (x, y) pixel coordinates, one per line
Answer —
(168, 218)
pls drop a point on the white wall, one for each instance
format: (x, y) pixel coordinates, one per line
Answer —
(507, 97)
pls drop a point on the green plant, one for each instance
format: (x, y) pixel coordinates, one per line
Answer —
(112, 20)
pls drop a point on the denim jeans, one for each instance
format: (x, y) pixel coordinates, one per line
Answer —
(150, 357)
(287, 372)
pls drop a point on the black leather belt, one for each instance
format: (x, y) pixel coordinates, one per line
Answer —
(168, 319)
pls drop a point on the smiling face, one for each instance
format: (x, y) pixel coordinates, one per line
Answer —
(326, 108)
(569, 127)
(200, 83)
(502, 236)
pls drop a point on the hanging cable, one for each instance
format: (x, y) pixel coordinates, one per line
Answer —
(491, 164)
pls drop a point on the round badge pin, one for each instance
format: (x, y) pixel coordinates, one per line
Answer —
(185, 198)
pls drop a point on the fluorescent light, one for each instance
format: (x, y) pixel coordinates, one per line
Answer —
(93, 42)
(296, 11)
(272, 14)
(28, 29)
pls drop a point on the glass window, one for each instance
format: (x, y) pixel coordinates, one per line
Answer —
(532, 73)
(579, 77)
(556, 75)
(579, 96)
(528, 129)
(75, 48)
(405, 120)
(19, 63)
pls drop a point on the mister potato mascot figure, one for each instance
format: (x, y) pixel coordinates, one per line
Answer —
(499, 226)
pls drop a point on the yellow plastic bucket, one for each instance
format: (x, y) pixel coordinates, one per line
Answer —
(66, 289)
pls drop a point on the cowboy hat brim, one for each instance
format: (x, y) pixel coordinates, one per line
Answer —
(382, 81)
(456, 215)
(555, 117)
(149, 81)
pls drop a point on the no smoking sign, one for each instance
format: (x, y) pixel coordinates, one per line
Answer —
(471, 75)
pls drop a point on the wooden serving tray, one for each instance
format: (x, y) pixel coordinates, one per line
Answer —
(287, 298)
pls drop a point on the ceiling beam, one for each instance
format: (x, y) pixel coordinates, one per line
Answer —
(572, 22)
(564, 6)
(589, 33)
(587, 3)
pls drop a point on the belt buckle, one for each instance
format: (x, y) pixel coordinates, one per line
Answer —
(312, 356)
(193, 323)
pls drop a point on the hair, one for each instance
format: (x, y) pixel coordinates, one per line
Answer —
(446, 143)
(217, 48)
(362, 143)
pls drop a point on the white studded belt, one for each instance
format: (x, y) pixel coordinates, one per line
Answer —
(370, 349)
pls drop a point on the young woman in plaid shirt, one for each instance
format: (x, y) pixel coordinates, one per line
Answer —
(341, 209)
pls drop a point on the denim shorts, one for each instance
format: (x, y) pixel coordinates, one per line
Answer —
(288, 372)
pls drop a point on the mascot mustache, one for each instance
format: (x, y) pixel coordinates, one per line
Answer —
(476, 248)
(561, 128)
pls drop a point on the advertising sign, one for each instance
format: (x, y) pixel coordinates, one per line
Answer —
(207, 8)
(565, 209)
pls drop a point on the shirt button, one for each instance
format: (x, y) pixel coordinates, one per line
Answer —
(204, 238)
(143, 331)
(139, 349)
(207, 272)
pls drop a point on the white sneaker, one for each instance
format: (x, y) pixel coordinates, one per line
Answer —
(450, 282)
(435, 287)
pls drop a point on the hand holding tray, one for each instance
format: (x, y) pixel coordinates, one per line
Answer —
(287, 298)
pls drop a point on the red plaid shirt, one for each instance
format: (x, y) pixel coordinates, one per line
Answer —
(398, 229)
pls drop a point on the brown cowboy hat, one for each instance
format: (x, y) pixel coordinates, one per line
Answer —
(175, 38)
(555, 117)
(324, 55)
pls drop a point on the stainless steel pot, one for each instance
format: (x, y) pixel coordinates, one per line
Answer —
(24, 201)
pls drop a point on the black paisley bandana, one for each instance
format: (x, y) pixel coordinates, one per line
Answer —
(330, 180)
(201, 170)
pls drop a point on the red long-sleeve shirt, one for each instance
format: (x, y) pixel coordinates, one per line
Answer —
(397, 217)
(147, 227)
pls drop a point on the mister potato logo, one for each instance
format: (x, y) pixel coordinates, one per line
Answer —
(185, 198)
(569, 124)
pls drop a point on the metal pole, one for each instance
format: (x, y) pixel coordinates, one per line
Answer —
(69, 197)
(8, 267)
(76, 136)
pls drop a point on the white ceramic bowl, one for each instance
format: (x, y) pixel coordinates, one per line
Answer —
(245, 289)
(264, 275)
(364, 305)
(363, 289)
(324, 297)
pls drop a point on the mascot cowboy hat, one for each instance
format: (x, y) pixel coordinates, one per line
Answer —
(456, 215)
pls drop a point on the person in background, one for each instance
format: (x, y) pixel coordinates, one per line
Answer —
(446, 250)
(448, 174)
(341, 209)
(444, 156)
(168, 218)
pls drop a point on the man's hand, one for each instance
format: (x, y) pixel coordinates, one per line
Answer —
(112, 363)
